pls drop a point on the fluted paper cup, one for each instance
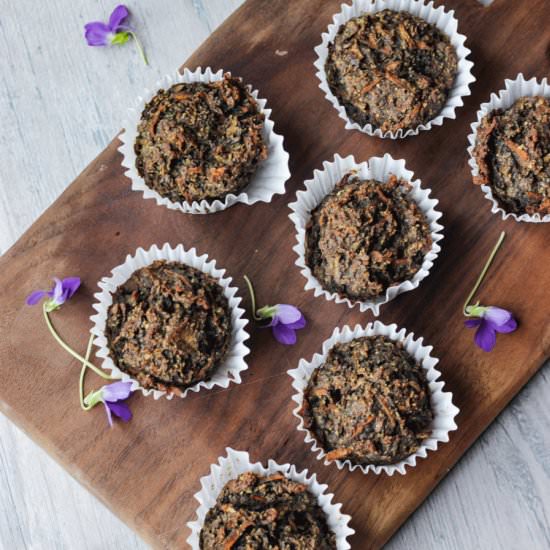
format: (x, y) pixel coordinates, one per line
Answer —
(444, 411)
(267, 181)
(233, 364)
(504, 99)
(445, 21)
(238, 462)
(378, 168)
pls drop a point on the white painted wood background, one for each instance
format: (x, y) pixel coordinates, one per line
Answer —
(60, 104)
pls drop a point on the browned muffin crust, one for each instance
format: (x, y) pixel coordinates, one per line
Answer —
(512, 152)
(267, 513)
(391, 70)
(169, 326)
(200, 140)
(366, 236)
(368, 403)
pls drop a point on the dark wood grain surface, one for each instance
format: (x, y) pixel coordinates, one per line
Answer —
(148, 470)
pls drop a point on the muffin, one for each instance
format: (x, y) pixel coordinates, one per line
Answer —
(169, 326)
(369, 403)
(272, 512)
(200, 141)
(391, 70)
(512, 152)
(366, 236)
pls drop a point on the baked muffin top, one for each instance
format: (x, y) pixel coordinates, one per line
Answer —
(368, 403)
(366, 236)
(200, 140)
(512, 152)
(169, 326)
(274, 512)
(391, 70)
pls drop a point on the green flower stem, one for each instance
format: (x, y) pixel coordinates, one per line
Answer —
(253, 298)
(83, 376)
(69, 350)
(484, 272)
(139, 47)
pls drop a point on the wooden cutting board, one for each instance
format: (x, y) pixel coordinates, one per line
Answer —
(148, 470)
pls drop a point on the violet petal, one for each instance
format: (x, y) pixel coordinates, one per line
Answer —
(274, 321)
(284, 335)
(120, 409)
(70, 285)
(97, 33)
(485, 337)
(300, 323)
(109, 417)
(117, 391)
(288, 314)
(120, 13)
(509, 326)
(497, 316)
(57, 292)
(34, 297)
(472, 323)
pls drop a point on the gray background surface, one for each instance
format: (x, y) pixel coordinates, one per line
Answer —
(60, 103)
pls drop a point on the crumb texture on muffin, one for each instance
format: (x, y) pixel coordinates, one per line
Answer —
(512, 152)
(200, 140)
(266, 512)
(366, 236)
(169, 326)
(368, 403)
(391, 69)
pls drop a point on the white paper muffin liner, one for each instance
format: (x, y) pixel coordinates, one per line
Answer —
(268, 180)
(238, 462)
(324, 181)
(444, 21)
(513, 90)
(442, 402)
(234, 363)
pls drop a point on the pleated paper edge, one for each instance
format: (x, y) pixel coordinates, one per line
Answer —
(443, 20)
(237, 462)
(269, 179)
(503, 99)
(442, 402)
(234, 363)
(379, 168)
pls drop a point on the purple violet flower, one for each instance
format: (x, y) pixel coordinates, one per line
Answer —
(58, 294)
(284, 319)
(98, 33)
(112, 396)
(488, 321)
(113, 399)
(115, 32)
